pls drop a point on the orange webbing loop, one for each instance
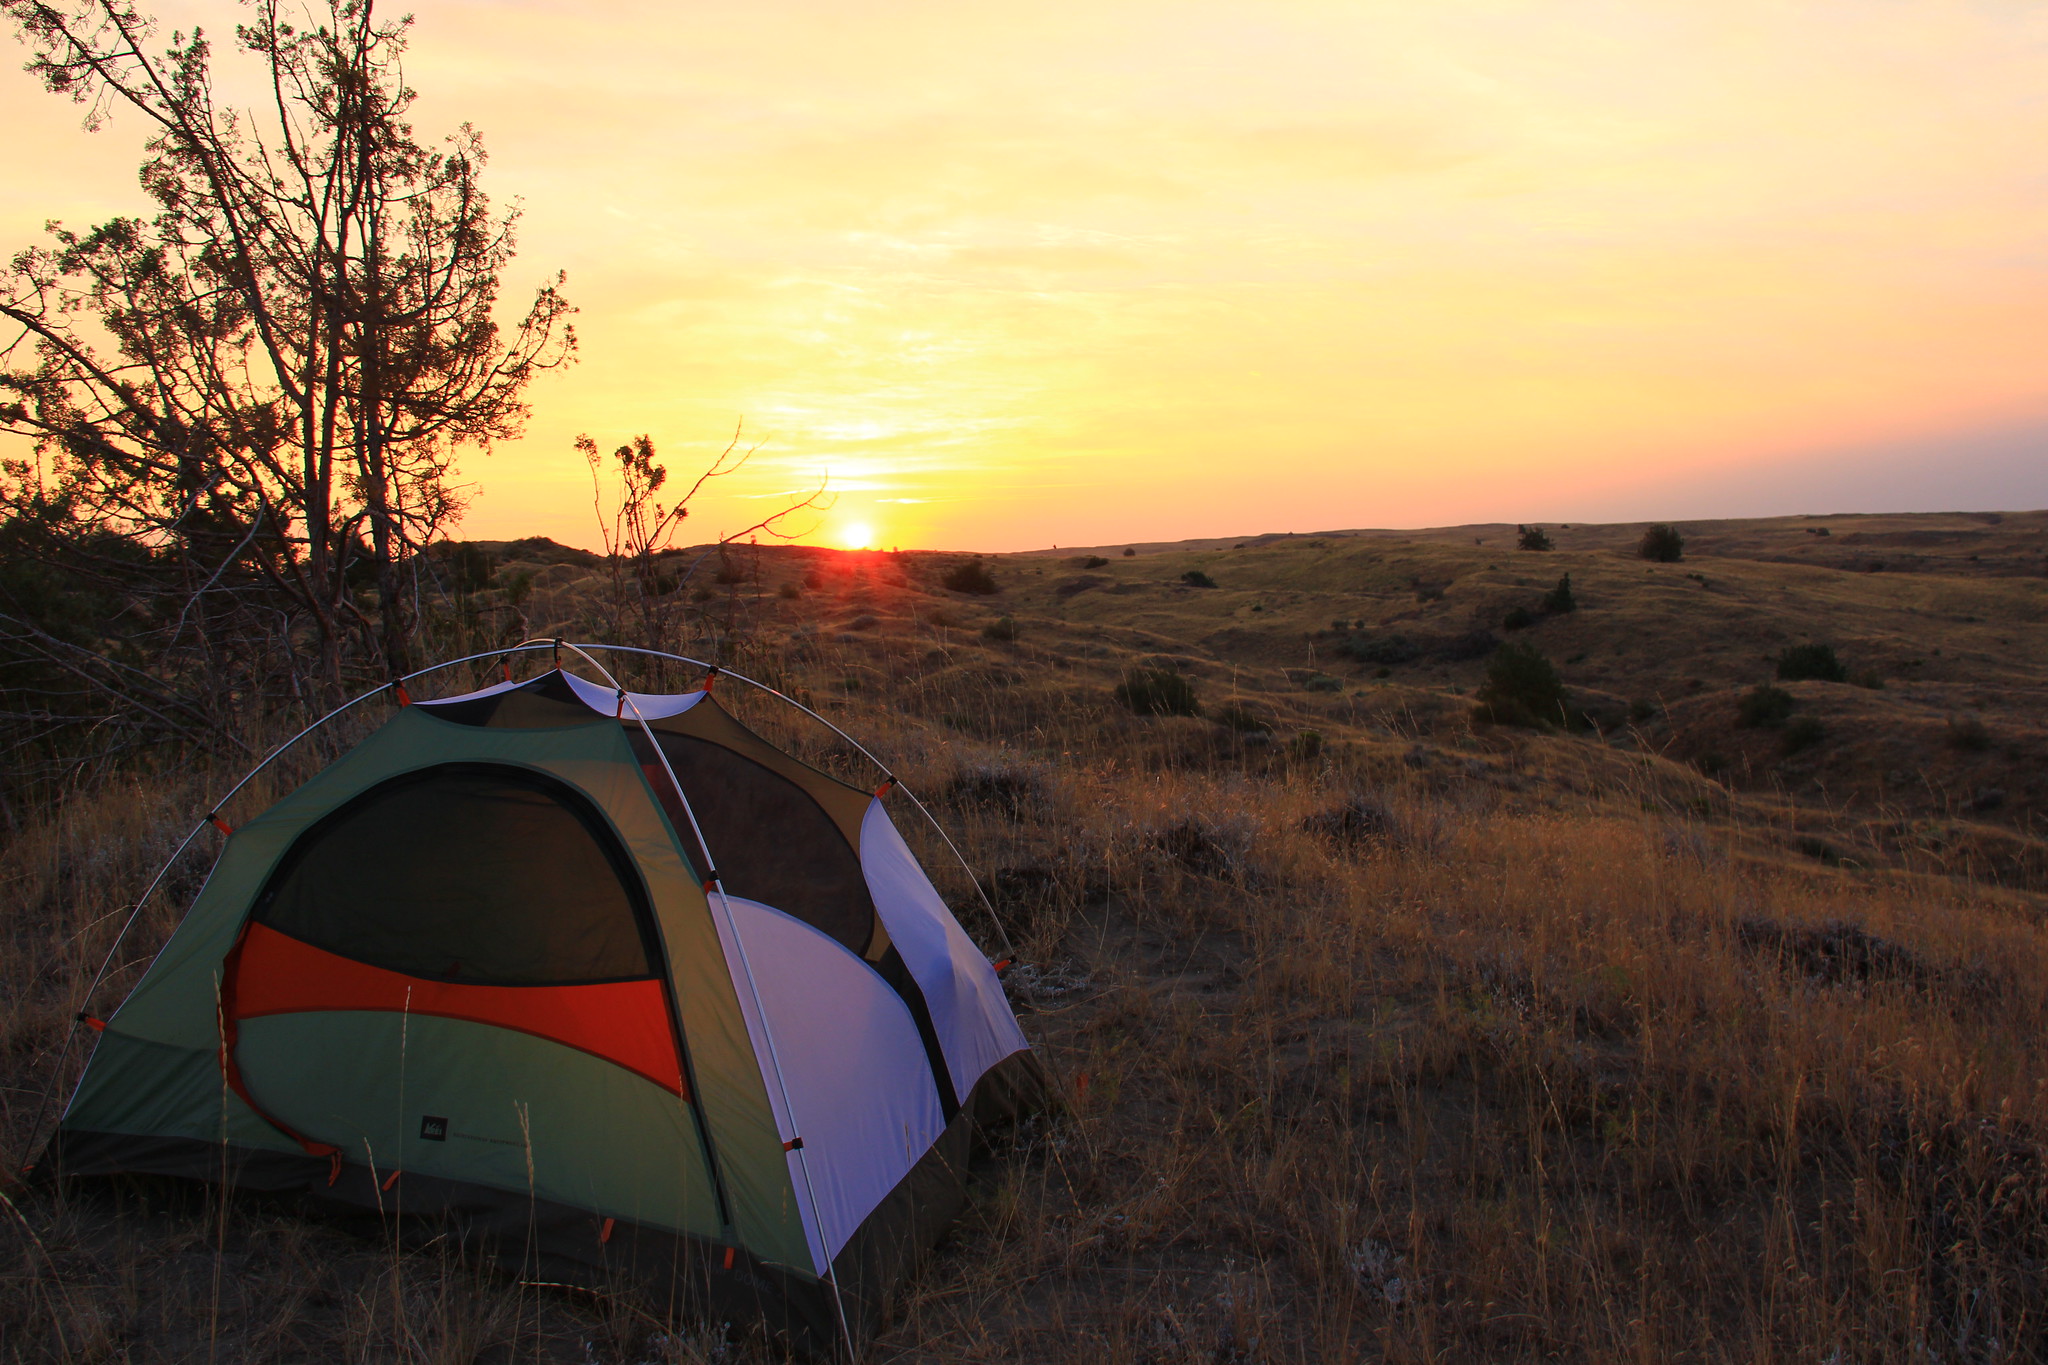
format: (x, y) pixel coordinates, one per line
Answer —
(96, 1025)
(605, 1233)
(223, 826)
(728, 1258)
(888, 785)
(404, 697)
(389, 1180)
(620, 714)
(505, 665)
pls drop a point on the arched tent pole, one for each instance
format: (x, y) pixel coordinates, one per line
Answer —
(1008, 947)
(212, 817)
(717, 886)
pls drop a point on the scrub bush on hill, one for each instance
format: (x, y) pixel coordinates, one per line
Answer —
(1531, 538)
(1195, 578)
(1306, 745)
(1521, 688)
(1559, 600)
(1380, 649)
(1763, 706)
(1968, 734)
(1662, 544)
(1815, 661)
(470, 566)
(1473, 644)
(1235, 716)
(1158, 692)
(971, 577)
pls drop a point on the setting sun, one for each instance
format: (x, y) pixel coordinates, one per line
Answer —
(856, 535)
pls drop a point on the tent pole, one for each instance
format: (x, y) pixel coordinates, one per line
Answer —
(753, 988)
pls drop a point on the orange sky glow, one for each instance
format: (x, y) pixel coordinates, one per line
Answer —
(1077, 273)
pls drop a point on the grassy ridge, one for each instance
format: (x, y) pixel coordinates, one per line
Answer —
(1429, 1040)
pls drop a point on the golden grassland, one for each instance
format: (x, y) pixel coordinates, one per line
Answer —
(1382, 1034)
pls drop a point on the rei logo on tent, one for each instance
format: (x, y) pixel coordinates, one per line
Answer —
(734, 1043)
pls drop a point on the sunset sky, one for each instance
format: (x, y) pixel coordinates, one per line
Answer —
(1071, 273)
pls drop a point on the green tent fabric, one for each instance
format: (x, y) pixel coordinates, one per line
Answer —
(622, 990)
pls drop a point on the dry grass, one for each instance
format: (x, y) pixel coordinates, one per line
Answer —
(1438, 1044)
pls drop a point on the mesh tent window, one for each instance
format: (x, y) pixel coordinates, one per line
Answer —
(470, 872)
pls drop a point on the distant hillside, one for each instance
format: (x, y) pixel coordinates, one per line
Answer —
(1931, 750)
(1985, 542)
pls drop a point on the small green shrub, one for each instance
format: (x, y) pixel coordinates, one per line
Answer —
(1763, 707)
(1094, 562)
(790, 591)
(1521, 688)
(1559, 600)
(1195, 578)
(1306, 745)
(1642, 709)
(1323, 682)
(970, 577)
(1003, 629)
(1663, 544)
(1518, 618)
(1802, 734)
(1813, 661)
(1158, 692)
(1531, 538)
(1129, 553)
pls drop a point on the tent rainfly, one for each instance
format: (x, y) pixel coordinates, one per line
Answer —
(607, 979)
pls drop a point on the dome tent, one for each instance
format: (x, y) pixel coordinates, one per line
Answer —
(621, 987)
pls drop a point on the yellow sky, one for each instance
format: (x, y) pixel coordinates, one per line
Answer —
(1083, 272)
